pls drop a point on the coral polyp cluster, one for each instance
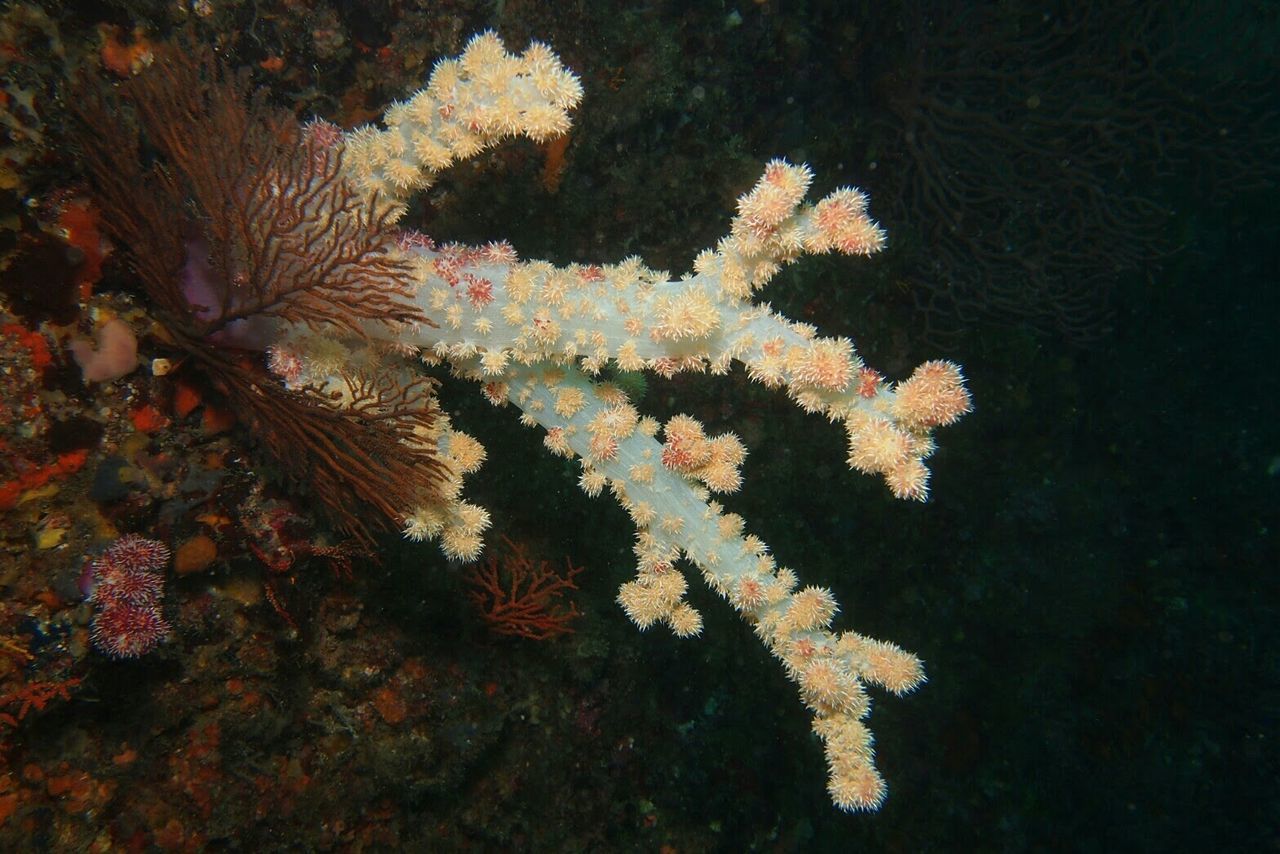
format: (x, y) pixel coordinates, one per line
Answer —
(300, 258)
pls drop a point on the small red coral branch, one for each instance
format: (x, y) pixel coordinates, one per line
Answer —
(34, 695)
(517, 596)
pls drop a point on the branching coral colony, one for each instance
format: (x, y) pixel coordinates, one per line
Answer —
(295, 254)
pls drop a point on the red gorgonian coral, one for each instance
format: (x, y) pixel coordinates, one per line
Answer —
(241, 221)
(518, 596)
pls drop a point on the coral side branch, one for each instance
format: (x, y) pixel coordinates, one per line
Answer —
(469, 104)
(663, 485)
(490, 304)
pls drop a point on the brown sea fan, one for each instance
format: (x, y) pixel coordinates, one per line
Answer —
(234, 219)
